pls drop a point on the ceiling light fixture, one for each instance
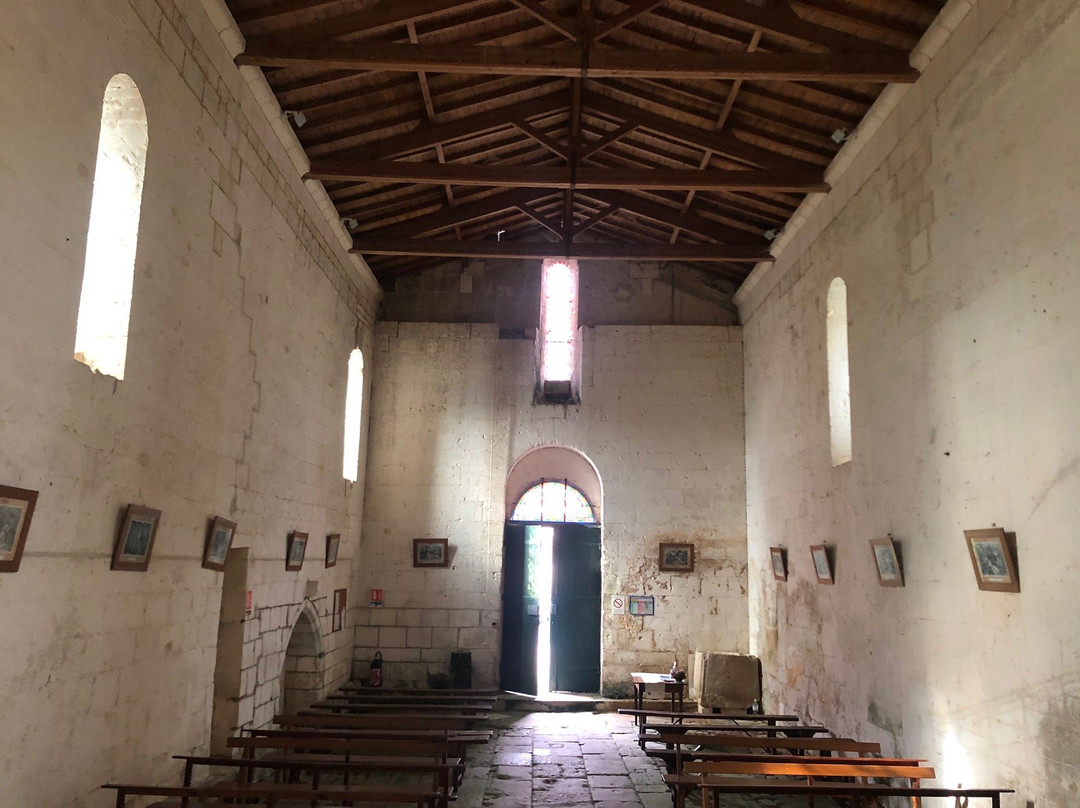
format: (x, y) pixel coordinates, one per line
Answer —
(840, 135)
(350, 223)
(771, 234)
(297, 116)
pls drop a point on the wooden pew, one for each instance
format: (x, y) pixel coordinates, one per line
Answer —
(354, 697)
(786, 730)
(442, 774)
(345, 706)
(269, 794)
(383, 720)
(698, 744)
(859, 794)
(420, 691)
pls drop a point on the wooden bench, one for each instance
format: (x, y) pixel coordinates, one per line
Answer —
(386, 720)
(270, 794)
(699, 743)
(769, 731)
(420, 691)
(354, 697)
(345, 706)
(859, 794)
(442, 774)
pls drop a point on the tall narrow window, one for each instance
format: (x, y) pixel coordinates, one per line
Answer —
(558, 327)
(105, 304)
(354, 403)
(836, 346)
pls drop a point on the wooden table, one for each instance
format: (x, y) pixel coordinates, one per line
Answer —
(671, 687)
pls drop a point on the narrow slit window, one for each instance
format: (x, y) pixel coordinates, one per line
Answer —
(354, 403)
(558, 327)
(836, 345)
(101, 335)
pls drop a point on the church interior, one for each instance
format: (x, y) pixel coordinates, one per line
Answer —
(325, 320)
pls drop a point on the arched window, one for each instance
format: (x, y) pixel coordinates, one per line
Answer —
(354, 403)
(553, 501)
(836, 346)
(105, 304)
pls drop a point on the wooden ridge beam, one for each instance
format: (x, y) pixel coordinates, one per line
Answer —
(587, 177)
(863, 67)
(375, 245)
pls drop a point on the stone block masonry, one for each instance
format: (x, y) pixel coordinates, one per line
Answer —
(661, 417)
(245, 309)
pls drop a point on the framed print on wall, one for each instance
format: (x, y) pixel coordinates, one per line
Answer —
(779, 568)
(992, 559)
(135, 542)
(642, 605)
(676, 557)
(218, 542)
(431, 552)
(888, 565)
(822, 568)
(341, 597)
(295, 549)
(332, 542)
(16, 511)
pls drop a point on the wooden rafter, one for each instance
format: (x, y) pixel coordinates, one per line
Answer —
(872, 66)
(377, 245)
(562, 25)
(515, 176)
(624, 17)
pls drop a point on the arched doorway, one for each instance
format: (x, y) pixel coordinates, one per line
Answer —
(302, 673)
(551, 574)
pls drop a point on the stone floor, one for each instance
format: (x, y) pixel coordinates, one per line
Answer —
(573, 759)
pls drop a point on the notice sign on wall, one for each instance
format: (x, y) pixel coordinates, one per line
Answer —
(249, 603)
(376, 597)
(618, 604)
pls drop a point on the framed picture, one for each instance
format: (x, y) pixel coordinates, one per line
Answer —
(642, 605)
(676, 557)
(136, 539)
(779, 568)
(340, 599)
(218, 542)
(992, 559)
(16, 511)
(332, 542)
(888, 565)
(295, 549)
(822, 568)
(431, 552)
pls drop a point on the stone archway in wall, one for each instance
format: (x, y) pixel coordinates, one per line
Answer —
(552, 578)
(302, 672)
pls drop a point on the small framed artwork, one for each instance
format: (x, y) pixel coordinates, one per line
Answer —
(642, 605)
(218, 542)
(779, 568)
(341, 597)
(332, 542)
(295, 549)
(888, 565)
(676, 557)
(992, 559)
(136, 539)
(16, 511)
(431, 552)
(822, 568)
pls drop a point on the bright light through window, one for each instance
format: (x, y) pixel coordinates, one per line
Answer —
(836, 343)
(105, 304)
(354, 402)
(558, 319)
(553, 501)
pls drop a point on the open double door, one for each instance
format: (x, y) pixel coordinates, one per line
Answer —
(568, 556)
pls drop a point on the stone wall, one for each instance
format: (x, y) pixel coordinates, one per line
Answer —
(955, 229)
(660, 417)
(245, 310)
(507, 292)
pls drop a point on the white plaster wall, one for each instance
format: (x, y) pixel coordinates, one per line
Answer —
(957, 234)
(245, 310)
(661, 417)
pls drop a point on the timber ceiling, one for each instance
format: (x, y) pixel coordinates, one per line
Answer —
(657, 130)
